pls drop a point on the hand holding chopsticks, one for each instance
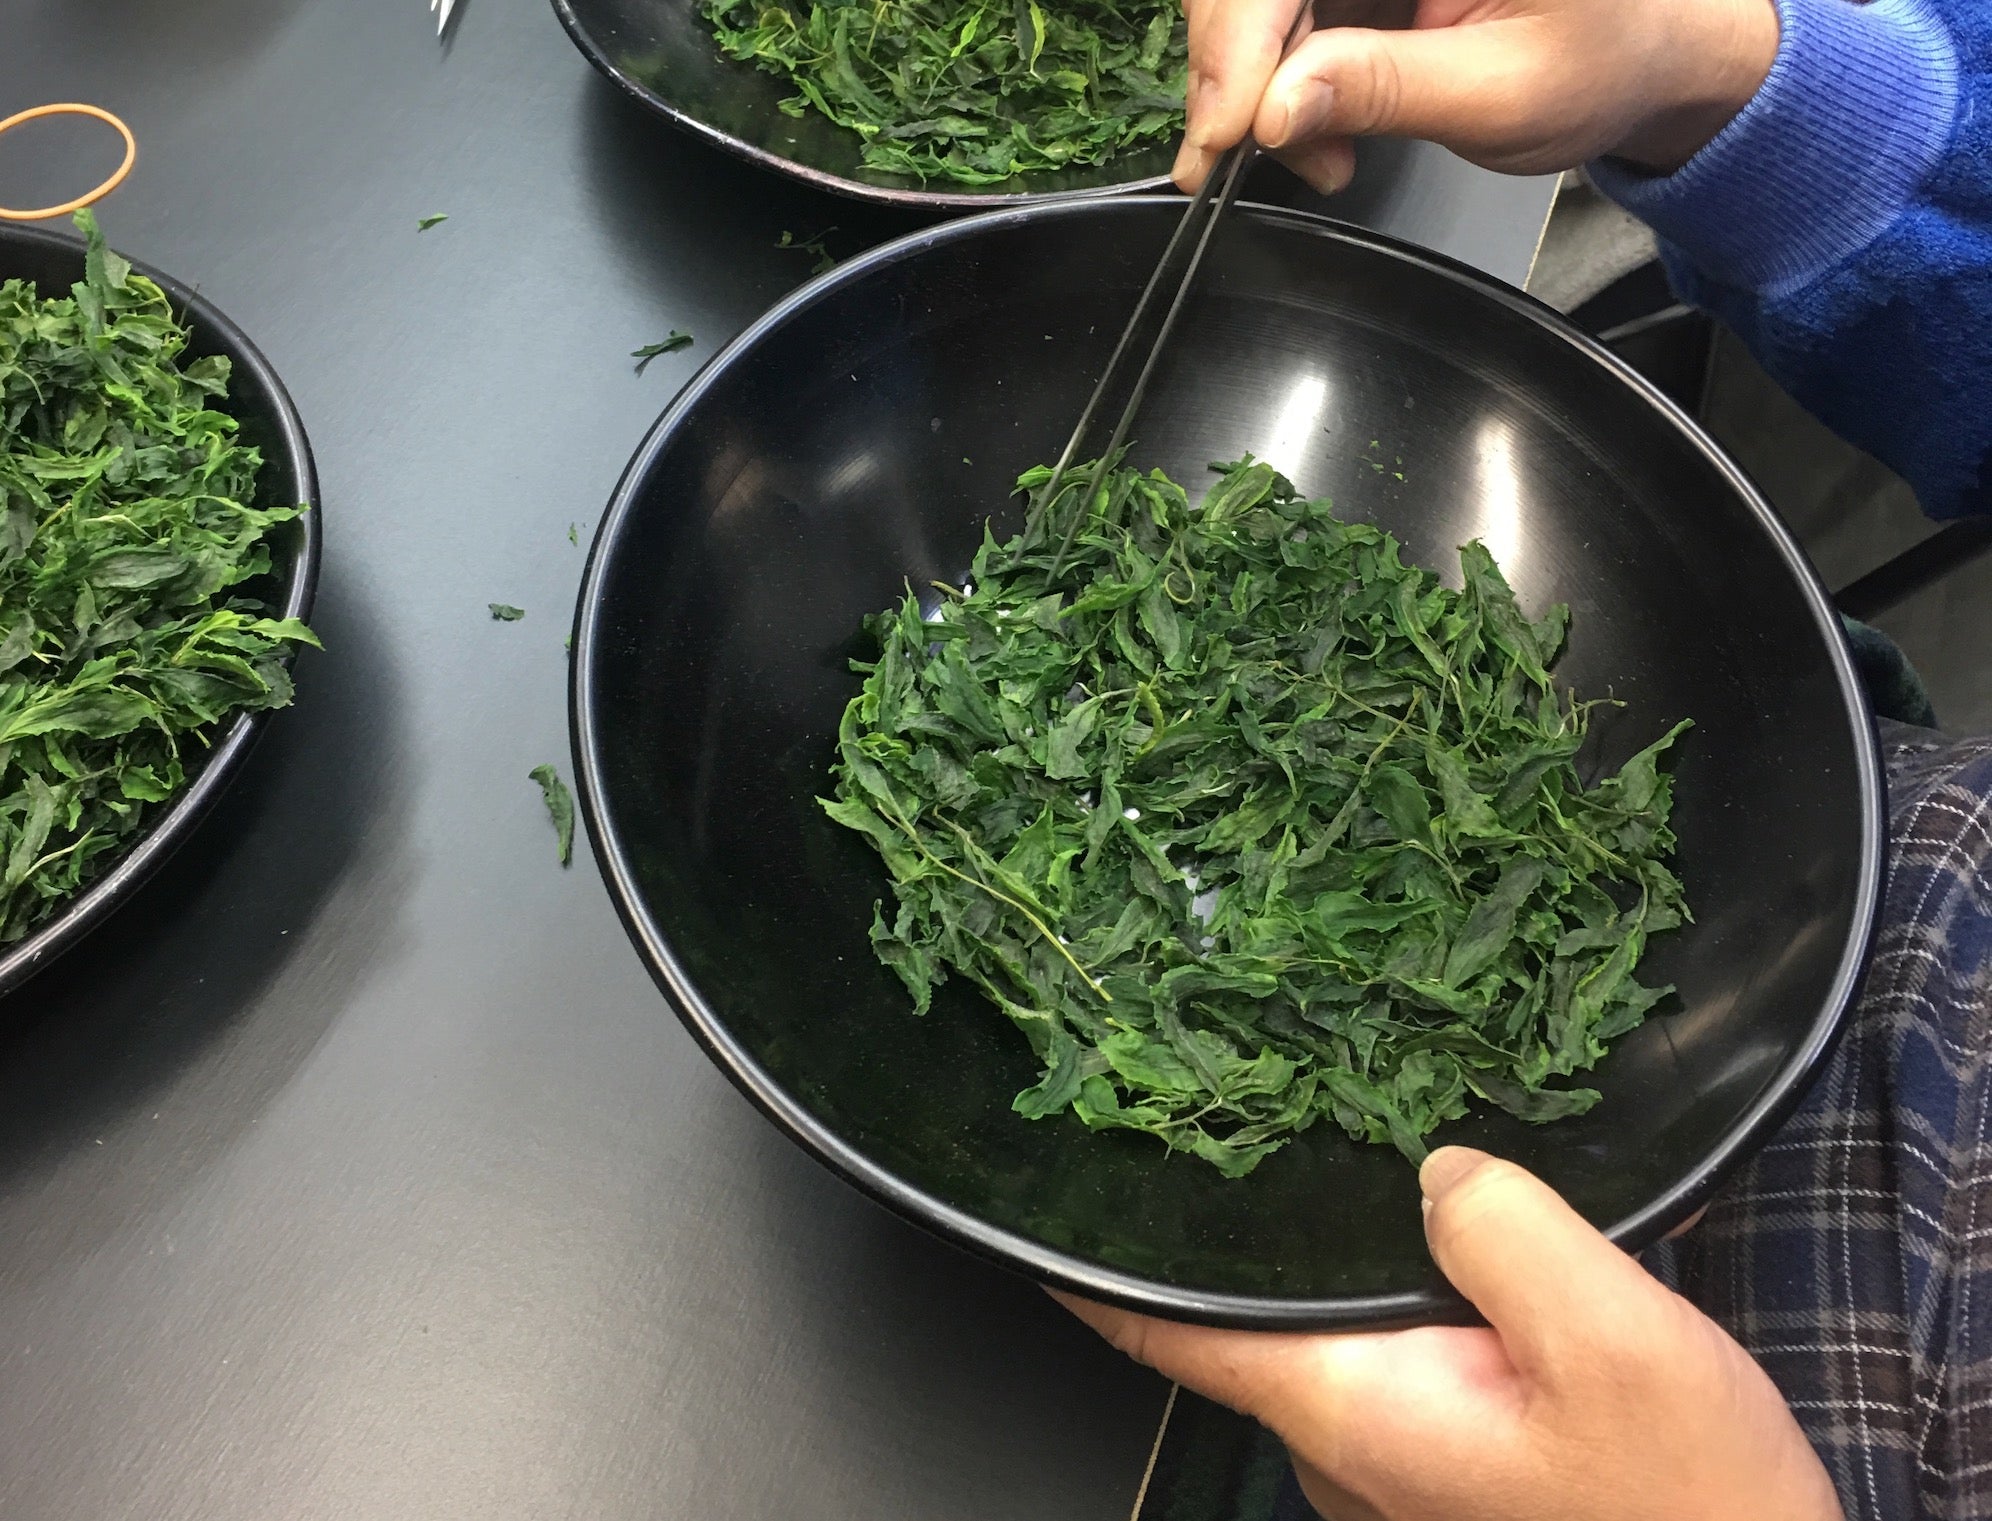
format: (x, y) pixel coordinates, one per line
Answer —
(1218, 191)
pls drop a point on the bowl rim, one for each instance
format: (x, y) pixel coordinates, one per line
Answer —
(888, 195)
(176, 822)
(1636, 1231)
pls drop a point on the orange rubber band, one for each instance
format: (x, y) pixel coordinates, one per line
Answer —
(72, 108)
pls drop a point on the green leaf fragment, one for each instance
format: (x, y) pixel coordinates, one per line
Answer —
(650, 351)
(559, 808)
(823, 261)
(1248, 825)
(504, 612)
(425, 223)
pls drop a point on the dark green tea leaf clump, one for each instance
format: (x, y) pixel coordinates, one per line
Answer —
(973, 93)
(1247, 824)
(130, 543)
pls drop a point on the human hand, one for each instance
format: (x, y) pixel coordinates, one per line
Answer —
(1524, 86)
(1597, 1394)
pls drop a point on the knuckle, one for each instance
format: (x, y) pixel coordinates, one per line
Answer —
(1383, 90)
(1130, 1335)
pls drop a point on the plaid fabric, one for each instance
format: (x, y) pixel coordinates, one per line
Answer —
(1853, 1255)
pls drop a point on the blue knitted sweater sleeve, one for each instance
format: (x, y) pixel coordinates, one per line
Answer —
(1842, 225)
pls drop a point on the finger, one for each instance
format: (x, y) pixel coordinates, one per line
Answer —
(1545, 1278)
(1326, 164)
(1193, 166)
(1463, 86)
(1235, 46)
(1686, 1225)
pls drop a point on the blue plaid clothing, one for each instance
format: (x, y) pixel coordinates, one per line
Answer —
(1853, 1255)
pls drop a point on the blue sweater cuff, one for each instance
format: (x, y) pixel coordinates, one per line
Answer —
(1856, 111)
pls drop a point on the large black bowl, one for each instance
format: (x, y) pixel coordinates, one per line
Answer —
(822, 461)
(663, 53)
(257, 399)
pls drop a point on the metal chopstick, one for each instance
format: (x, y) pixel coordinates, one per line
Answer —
(1232, 169)
(1199, 219)
(1184, 224)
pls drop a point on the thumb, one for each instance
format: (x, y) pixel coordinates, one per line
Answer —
(1469, 87)
(1548, 1281)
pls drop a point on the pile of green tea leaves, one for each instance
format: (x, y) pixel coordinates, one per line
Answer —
(1246, 824)
(973, 92)
(126, 523)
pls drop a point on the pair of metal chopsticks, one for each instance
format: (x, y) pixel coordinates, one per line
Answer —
(1193, 231)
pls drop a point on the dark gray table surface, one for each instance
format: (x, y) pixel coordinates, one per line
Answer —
(357, 1168)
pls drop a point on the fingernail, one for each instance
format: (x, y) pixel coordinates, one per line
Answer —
(1445, 1168)
(1307, 110)
(1185, 157)
(1196, 113)
(1279, 123)
(1322, 181)
(1192, 164)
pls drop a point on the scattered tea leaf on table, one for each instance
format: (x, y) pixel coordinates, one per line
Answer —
(431, 221)
(824, 262)
(650, 351)
(504, 612)
(1246, 824)
(559, 807)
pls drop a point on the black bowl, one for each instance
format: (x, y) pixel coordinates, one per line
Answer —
(822, 461)
(257, 399)
(663, 53)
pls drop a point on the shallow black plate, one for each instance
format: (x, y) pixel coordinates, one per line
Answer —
(663, 53)
(823, 460)
(257, 399)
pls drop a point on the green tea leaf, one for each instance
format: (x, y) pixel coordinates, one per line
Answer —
(973, 93)
(823, 261)
(1246, 824)
(134, 568)
(669, 345)
(504, 612)
(559, 808)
